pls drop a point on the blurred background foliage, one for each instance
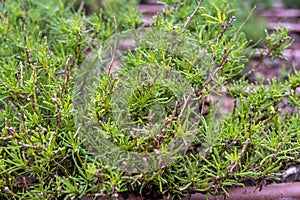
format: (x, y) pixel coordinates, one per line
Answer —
(254, 28)
(292, 3)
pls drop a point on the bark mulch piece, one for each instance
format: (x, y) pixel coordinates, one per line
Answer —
(284, 191)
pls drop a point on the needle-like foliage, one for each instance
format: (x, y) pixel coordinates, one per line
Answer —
(44, 45)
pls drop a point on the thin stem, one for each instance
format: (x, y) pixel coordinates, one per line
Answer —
(28, 53)
(243, 24)
(221, 65)
(113, 53)
(191, 16)
(225, 27)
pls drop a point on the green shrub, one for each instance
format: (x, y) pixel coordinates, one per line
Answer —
(44, 153)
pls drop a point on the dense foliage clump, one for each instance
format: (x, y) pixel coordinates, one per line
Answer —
(45, 45)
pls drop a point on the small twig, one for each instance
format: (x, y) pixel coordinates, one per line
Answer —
(250, 120)
(5, 16)
(23, 125)
(21, 73)
(229, 144)
(81, 7)
(221, 65)
(246, 144)
(11, 193)
(37, 46)
(174, 112)
(119, 86)
(202, 103)
(26, 48)
(56, 152)
(191, 16)
(234, 107)
(185, 102)
(173, 55)
(7, 137)
(25, 9)
(150, 125)
(67, 74)
(66, 81)
(58, 109)
(4, 8)
(11, 130)
(35, 96)
(26, 185)
(225, 27)
(115, 23)
(29, 146)
(113, 51)
(154, 80)
(263, 55)
(270, 118)
(17, 95)
(279, 148)
(47, 47)
(243, 24)
(168, 123)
